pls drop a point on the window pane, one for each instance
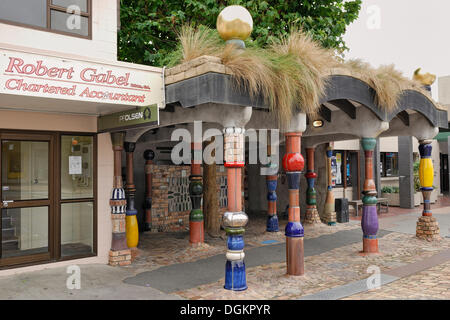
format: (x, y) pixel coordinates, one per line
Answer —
(69, 23)
(348, 174)
(24, 170)
(77, 167)
(391, 164)
(25, 11)
(82, 4)
(77, 220)
(24, 231)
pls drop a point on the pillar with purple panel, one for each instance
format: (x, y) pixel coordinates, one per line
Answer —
(369, 220)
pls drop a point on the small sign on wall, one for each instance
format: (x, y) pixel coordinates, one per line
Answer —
(75, 165)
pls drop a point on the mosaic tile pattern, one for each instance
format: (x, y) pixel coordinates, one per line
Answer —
(331, 269)
(178, 194)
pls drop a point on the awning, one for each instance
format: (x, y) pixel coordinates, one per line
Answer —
(442, 136)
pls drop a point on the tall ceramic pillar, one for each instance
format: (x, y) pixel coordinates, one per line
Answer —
(330, 212)
(234, 220)
(271, 182)
(119, 254)
(427, 226)
(312, 215)
(132, 228)
(196, 224)
(369, 220)
(149, 155)
(293, 164)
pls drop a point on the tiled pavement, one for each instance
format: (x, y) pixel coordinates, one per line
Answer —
(337, 267)
(433, 283)
(331, 269)
(162, 249)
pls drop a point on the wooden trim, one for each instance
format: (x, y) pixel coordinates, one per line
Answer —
(95, 174)
(64, 10)
(48, 14)
(7, 263)
(48, 28)
(57, 206)
(76, 200)
(29, 203)
(15, 135)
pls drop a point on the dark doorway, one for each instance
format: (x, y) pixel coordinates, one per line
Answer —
(444, 173)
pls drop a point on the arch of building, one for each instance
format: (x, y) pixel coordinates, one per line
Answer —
(349, 111)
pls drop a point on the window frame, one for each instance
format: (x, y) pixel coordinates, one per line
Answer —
(51, 7)
(342, 168)
(61, 201)
(55, 192)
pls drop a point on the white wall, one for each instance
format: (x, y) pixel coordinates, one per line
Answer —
(389, 144)
(103, 45)
(412, 34)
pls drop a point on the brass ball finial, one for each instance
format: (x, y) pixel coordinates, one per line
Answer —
(426, 79)
(234, 23)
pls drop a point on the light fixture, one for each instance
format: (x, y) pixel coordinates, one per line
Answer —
(317, 123)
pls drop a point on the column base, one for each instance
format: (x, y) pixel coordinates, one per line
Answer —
(119, 258)
(370, 246)
(295, 256)
(134, 253)
(329, 218)
(272, 223)
(312, 216)
(196, 233)
(235, 276)
(427, 228)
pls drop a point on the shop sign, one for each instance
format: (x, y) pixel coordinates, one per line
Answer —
(35, 75)
(143, 116)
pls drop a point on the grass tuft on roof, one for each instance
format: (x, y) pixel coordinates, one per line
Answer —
(290, 73)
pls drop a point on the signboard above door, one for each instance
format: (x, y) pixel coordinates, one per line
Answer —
(147, 116)
(96, 87)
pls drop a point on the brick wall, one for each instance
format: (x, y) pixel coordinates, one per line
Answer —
(171, 204)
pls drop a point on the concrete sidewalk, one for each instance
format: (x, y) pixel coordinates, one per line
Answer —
(98, 282)
(406, 223)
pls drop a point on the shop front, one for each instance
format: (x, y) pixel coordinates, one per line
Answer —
(56, 167)
(48, 202)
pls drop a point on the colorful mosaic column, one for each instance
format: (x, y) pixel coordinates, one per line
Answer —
(271, 182)
(149, 155)
(312, 215)
(369, 219)
(427, 226)
(329, 211)
(293, 164)
(119, 254)
(234, 220)
(196, 225)
(130, 189)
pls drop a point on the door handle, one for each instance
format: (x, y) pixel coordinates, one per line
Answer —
(6, 203)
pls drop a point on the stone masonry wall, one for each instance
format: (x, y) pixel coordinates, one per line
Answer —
(170, 197)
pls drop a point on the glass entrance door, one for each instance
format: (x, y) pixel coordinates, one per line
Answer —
(27, 200)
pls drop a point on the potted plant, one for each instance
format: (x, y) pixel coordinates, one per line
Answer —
(392, 194)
